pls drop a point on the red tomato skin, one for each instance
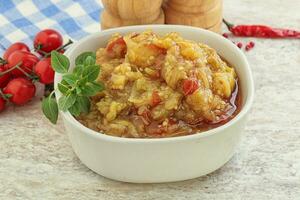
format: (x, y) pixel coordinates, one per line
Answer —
(146, 117)
(27, 60)
(190, 86)
(49, 39)
(4, 79)
(21, 89)
(2, 104)
(117, 48)
(155, 99)
(15, 47)
(44, 71)
(157, 49)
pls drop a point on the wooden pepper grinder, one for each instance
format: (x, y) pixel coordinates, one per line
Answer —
(131, 12)
(201, 13)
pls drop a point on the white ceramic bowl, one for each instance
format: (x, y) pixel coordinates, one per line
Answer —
(166, 159)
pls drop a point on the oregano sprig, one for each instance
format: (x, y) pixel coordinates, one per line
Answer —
(76, 87)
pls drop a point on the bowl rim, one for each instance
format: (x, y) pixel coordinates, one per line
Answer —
(98, 135)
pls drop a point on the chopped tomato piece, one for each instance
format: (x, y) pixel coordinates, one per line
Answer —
(155, 99)
(155, 128)
(190, 86)
(157, 49)
(172, 121)
(117, 48)
(146, 117)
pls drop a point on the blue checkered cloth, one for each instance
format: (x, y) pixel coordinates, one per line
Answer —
(20, 20)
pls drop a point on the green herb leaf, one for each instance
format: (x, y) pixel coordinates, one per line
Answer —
(90, 60)
(91, 72)
(62, 88)
(84, 103)
(76, 87)
(75, 109)
(59, 62)
(78, 90)
(65, 102)
(92, 88)
(7, 95)
(70, 78)
(78, 69)
(82, 81)
(80, 60)
(50, 109)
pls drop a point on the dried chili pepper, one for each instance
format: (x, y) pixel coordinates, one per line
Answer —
(261, 31)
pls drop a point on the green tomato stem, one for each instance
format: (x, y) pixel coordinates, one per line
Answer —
(28, 75)
(65, 45)
(2, 61)
(228, 25)
(51, 94)
(38, 48)
(43, 52)
(10, 69)
(5, 96)
(58, 49)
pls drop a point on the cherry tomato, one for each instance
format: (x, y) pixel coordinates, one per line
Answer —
(47, 40)
(155, 99)
(117, 48)
(26, 60)
(2, 104)
(44, 71)
(21, 89)
(4, 78)
(15, 47)
(190, 86)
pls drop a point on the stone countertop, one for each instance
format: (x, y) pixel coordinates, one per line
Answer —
(37, 161)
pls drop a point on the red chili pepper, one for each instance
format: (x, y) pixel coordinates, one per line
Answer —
(261, 31)
(239, 44)
(225, 35)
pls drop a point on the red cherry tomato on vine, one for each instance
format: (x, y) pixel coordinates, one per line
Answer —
(3, 78)
(15, 47)
(2, 104)
(44, 71)
(26, 60)
(4, 66)
(21, 90)
(190, 86)
(47, 40)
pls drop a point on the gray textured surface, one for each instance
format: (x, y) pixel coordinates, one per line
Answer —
(37, 162)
